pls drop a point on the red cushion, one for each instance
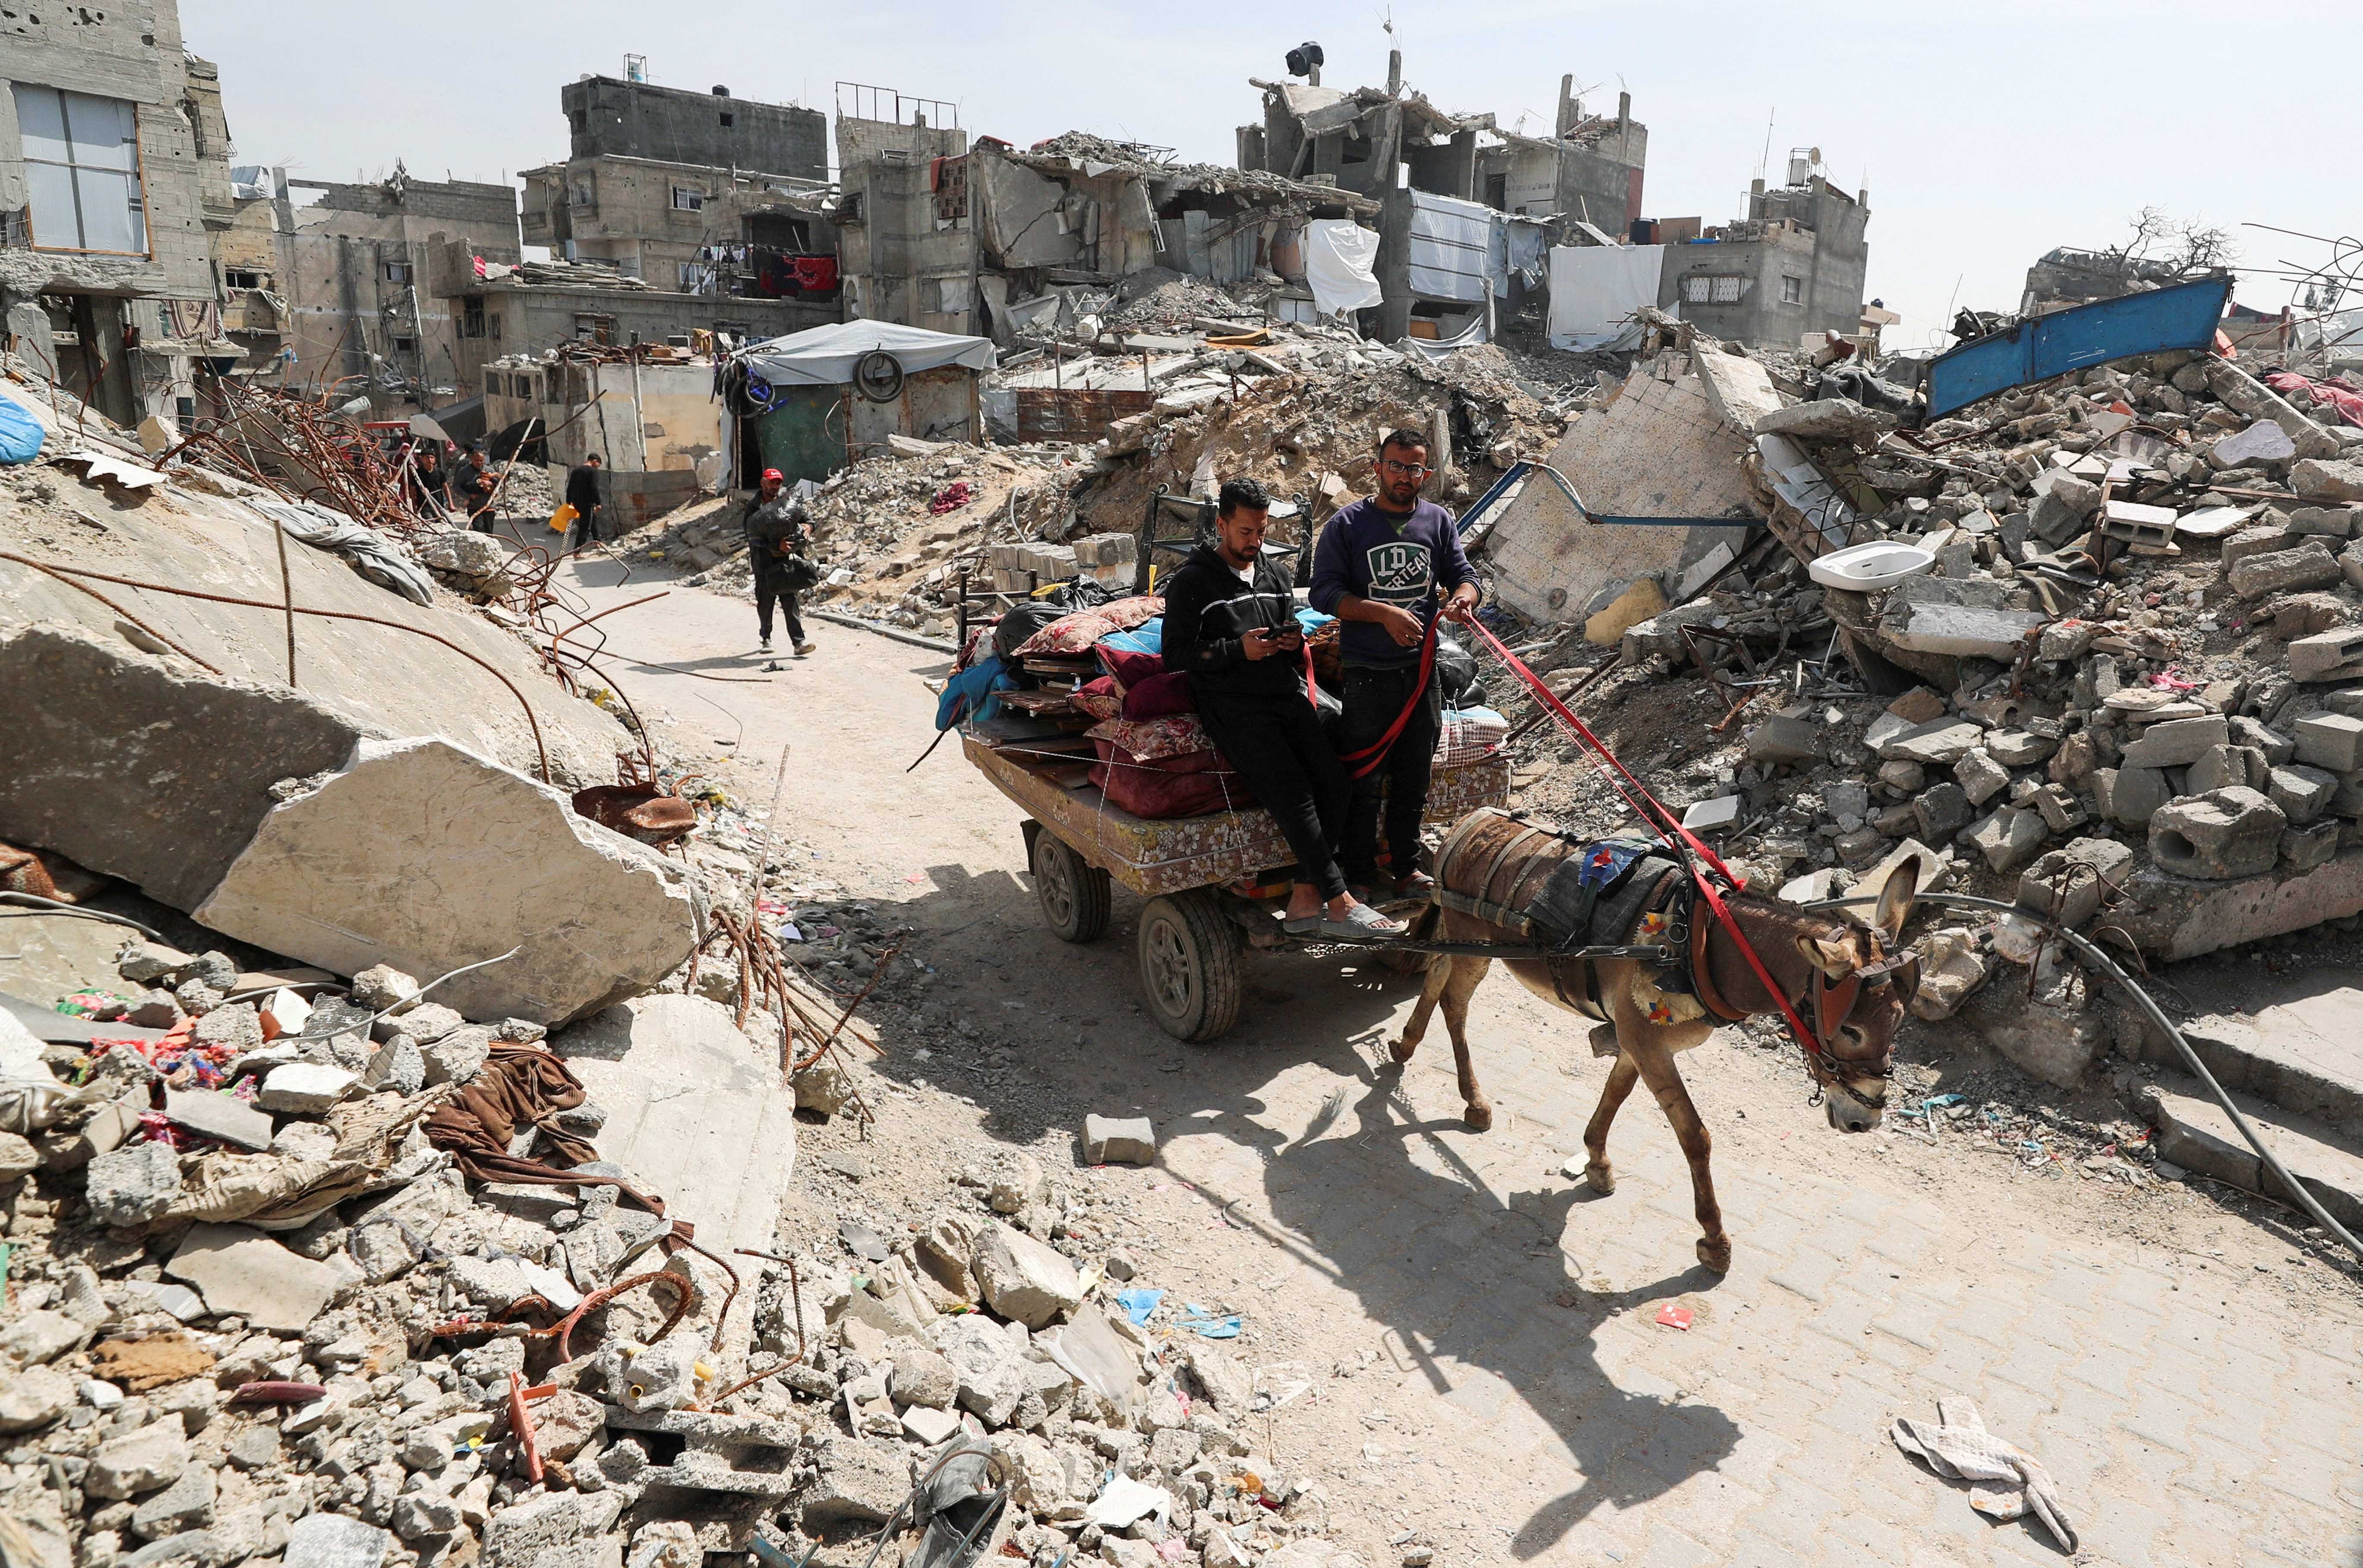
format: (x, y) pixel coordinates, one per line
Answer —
(1099, 698)
(1129, 668)
(1160, 694)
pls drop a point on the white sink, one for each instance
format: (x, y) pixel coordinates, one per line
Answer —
(1866, 568)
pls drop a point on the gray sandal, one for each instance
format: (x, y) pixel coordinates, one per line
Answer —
(1361, 923)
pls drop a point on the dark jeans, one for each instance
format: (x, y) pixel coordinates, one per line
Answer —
(1276, 745)
(480, 522)
(581, 532)
(1371, 699)
(769, 591)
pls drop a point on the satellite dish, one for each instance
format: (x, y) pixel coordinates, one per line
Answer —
(878, 376)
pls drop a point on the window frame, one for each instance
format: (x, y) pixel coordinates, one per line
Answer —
(137, 171)
(1793, 290)
(1708, 285)
(696, 201)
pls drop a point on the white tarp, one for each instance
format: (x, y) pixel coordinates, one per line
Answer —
(1455, 247)
(1596, 289)
(1338, 259)
(825, 355)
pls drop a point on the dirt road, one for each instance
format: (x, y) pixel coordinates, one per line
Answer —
(1487, 1376)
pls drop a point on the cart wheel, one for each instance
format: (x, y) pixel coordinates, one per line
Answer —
(1190, 966)
(1074, 893)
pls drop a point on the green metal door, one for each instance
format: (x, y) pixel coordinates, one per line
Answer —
(804, 434)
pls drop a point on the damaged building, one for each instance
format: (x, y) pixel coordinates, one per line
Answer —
(1790, 272)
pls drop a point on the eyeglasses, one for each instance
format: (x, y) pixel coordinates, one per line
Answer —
(1407, 471)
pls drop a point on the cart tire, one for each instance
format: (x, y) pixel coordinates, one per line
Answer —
(1190, 966)
(1073, 892)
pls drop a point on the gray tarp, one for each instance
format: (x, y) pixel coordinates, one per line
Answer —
(825, 355)
(375, 556)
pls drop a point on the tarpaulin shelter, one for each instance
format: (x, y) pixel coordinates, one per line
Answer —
(815, 402)
(1597, 293)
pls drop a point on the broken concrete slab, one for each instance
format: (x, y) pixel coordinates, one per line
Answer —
(2309, 565)
(680, 1081)
(2195, 1134)
(1779, 739)
(1740, 390)
(425, 857)
(1933, 744)
(2175, 742)
(1960, 630)
(2173, 918)
(2327, 656)
(213, 1114)
(2066, 885)
(241, 1271)
(1658, 451)
(1827, 419)
(1023, 1279)
(2320, 479)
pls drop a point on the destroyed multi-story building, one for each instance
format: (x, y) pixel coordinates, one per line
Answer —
(691, 193)
(357, 269)
(114, 180)
(906, 242)
(1787, 273)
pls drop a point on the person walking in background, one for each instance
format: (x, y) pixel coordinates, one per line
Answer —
(776, 536)
(473, 488)
(582, 495)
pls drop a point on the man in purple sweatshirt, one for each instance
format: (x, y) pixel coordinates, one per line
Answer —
(1383, 567)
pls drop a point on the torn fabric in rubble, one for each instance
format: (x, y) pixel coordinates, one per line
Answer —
(520, 1085)
(1960, 1448)
(375, 556)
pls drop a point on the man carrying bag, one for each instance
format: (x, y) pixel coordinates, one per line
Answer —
(776, 536)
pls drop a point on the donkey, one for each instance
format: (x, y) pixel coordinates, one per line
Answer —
(1839, 977)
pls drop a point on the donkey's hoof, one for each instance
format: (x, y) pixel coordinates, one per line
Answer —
(1400, 1050)
(1600, 1176)
(1479, 1115)
(1716, 1255)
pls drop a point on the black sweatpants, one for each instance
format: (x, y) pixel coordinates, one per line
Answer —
(1371, 699)
(1276, 745)
(769, 591)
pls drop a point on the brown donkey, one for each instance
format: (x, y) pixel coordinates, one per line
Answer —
(1494, 870)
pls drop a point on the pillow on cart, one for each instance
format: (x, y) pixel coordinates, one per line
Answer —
(1070, 635)
(1100, 698)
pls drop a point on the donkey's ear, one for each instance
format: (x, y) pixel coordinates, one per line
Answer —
(1832, 958)
(1895, 899)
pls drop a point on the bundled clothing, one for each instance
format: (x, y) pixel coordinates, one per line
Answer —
(1257, 711)
(1409, 560)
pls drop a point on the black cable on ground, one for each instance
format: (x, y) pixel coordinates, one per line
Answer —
(2099, 960)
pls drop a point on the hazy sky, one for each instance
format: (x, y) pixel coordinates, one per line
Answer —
(1986, 133)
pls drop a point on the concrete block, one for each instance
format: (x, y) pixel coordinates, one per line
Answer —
(1962, 630)
(2263, 442)
(680, 1081)
(2277, 748)
(1740, 390)
(2056, 1039)
(2177, 743)
(2010, 838)
(243, 1272)
(1132, 1141)
(1023, 1279)
(928, 1426)
(487, 859)
(1777, 739)
(2310, 565)
(130, 1186)
(2060, 809)
(1980, 776)
(853, 1481)
(187, 1504)
(2067, 884)
(151, 1457)
(2018, 748)
(146, 961)
(2320, 479)
(2303, 793)
(2330, 522)
(2312, 845)
(2173, 918)
(2262, 540)
(1827, 419)
(305, 1087)
(2220, 766)
(2218, 837)
(1942, 811)
(33, 1396)
(2329, 655)
(34, 1338)
(213, 1114)
(2333, 741)
(1933, 744)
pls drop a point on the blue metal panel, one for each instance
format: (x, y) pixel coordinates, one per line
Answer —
(2184, 315)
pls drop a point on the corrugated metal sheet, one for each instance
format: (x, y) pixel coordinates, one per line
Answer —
(2184, 315)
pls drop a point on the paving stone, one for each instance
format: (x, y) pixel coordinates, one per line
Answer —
(1112, 1140)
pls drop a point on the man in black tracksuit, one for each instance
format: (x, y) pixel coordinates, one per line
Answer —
(776, 530)
(1230, 621)
(582, 495)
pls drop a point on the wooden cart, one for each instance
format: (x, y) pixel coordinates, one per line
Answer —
(1212, 882)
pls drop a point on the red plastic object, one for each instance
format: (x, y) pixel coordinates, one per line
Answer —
(1675, 1318)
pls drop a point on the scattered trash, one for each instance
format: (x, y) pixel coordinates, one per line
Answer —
(1957, 1446)
(1138, 1304)
(1675, 1317)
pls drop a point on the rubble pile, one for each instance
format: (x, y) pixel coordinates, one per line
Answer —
(2123, 673)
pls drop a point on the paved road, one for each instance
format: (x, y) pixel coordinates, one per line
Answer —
(1515, 1399)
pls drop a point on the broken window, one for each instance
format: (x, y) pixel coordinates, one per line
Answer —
(81, 171)
(687, 199)
(726, 118)
(406, 345)
(596, 328)
(397, 272)
(471, 318)
(1702, 288)
(494, 319)
(584, 193)
(1792, 290)
(241, 278)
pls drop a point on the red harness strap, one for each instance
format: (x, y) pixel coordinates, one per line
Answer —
(1669, 827)
(1376, 752)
